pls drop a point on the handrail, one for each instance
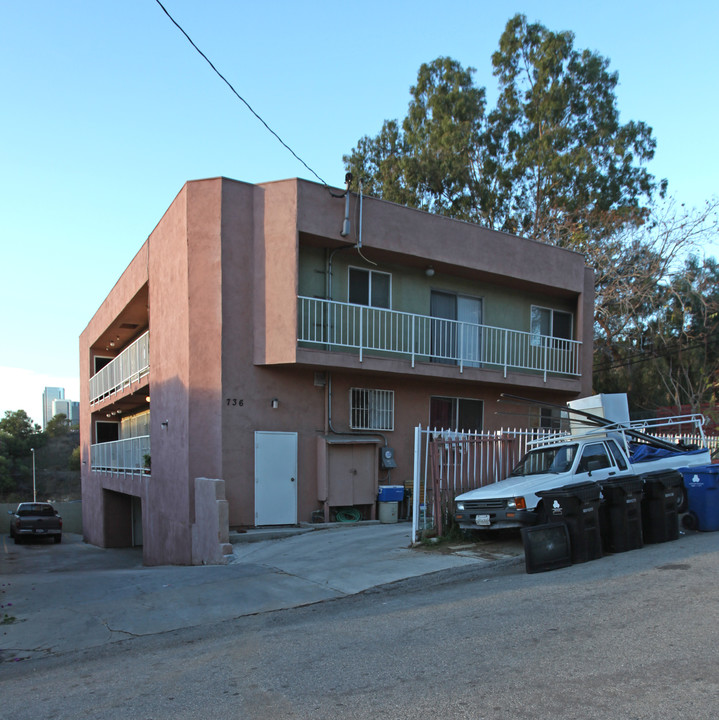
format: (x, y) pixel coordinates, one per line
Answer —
(122, 457)
(340, 325)
(130, 366)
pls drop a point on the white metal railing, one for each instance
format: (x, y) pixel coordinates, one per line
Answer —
(424, 338)
(122, 457)
(132, 364)
(464, 461)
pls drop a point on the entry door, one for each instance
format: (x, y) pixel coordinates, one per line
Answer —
(452, 341)
(275, 478)
(469, 310)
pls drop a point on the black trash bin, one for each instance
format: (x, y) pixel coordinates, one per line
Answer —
(578, 506)
(620, 514)
(660, 505)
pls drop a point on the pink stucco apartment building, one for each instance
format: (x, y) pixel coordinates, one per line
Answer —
(265, 344)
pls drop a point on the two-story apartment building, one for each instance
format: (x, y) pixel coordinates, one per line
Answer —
(253, 340)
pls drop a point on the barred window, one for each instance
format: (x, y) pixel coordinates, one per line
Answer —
(371, 409)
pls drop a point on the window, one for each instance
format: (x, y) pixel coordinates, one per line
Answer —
(447, 413)
(371, 409)
(618, 457)
(594, 457)
(370, 287)
(550, 323)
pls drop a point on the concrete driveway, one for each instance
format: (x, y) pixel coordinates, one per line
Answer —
(58, 598)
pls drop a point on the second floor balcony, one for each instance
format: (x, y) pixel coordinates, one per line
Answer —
(341, 326)
(122, 457)
(129, 367)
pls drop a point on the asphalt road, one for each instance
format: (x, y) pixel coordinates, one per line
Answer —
(630, 636)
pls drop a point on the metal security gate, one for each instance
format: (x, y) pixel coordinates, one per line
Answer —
(448, 463)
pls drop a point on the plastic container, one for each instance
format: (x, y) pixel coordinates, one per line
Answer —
(390, 493)
(620, 514)
(388, 512)
(702, 485)
(578, 506)
(660, 505)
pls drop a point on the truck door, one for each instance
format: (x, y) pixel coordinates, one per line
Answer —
(595, 463)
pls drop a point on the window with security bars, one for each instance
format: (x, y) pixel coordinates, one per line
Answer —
(371, 409)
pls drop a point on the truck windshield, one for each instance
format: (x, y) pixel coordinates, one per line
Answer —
(543, 461)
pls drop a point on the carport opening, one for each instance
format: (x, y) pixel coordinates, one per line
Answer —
(122, 516)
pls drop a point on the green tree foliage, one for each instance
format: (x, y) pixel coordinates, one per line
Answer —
(75, 459)
(672, 358)
(57, 426)
(551, 161)
(572, 171)
(432, 160)
(18, 435)
(686, 336)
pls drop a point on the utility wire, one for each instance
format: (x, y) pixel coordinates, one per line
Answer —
(655, 354)
(227, 82)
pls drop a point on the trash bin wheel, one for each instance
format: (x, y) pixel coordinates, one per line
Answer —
(682, 499)
(690, 521)
(541, 513)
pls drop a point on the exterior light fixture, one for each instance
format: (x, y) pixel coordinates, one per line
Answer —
(429, 272)
(275, 403)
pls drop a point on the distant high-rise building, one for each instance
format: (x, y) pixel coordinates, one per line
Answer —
(69, 408)
(49, 395)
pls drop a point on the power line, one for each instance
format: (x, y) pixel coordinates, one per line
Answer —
(227, 82)
(643, 357)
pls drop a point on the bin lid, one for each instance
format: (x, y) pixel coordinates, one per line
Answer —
(668, 478)
(581, 490)
(628, 483)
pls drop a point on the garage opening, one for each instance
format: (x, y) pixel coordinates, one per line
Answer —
(122, 519)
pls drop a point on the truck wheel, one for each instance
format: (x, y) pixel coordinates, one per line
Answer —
(18, 540)
(58, 539)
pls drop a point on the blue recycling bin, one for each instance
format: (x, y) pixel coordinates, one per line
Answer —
(702, 485)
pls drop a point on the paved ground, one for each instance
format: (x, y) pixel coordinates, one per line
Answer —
(58, 598)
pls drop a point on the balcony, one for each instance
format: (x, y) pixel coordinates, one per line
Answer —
(129, 367)
(342, 326)
(121, 457)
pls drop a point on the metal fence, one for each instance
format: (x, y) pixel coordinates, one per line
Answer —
(132, 364)
(448, 463)
(422, 338)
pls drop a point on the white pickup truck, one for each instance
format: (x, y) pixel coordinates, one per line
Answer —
(593, 456)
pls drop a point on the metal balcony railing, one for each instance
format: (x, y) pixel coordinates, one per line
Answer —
(129, 367)
(422, 338)
(122, 457)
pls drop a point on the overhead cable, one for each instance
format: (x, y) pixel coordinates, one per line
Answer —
(227, 82)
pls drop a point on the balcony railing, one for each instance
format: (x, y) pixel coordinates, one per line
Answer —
(422, 338)
(122, 457)
(129, 367)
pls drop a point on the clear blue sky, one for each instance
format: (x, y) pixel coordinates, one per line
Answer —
(108, 110)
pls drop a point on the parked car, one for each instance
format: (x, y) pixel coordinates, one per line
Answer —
(35, 519)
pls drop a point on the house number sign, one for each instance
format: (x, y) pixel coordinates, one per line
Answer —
(235, 402)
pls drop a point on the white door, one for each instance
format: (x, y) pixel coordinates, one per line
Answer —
(275, 478)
